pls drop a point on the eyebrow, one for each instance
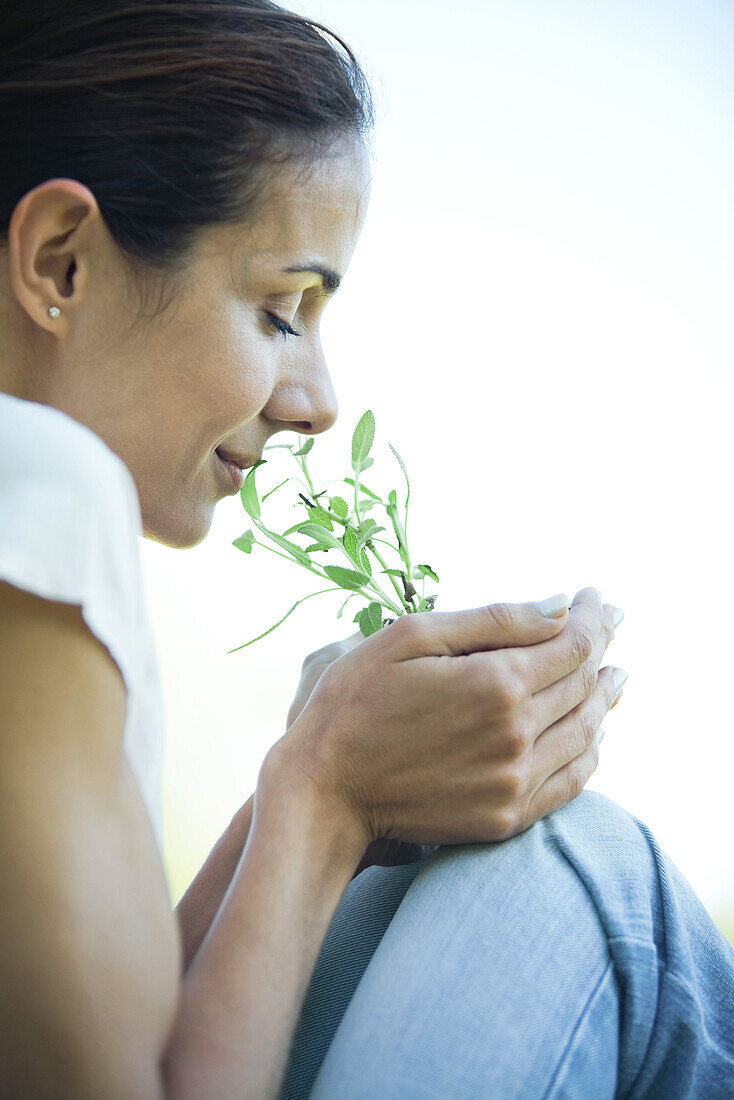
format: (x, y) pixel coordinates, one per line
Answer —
(330, 281)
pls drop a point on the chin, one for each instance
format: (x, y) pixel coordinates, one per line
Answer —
(178, 532)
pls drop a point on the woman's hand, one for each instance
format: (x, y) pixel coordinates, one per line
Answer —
(450, 728)
(384, 852)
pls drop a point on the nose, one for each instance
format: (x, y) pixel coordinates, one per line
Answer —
(304, 401)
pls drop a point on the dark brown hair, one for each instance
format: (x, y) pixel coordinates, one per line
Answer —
(169, 111)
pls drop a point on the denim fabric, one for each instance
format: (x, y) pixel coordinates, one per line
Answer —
(573, 961)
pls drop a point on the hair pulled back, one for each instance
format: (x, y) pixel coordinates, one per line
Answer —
(169, 111)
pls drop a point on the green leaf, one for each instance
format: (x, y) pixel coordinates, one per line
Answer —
(266, 632)
(269, 494)
(363, 489)
(427, 603)
(392, 511)
(367, 530)
(367, 463)
(306, 447)
(339, 506)
(314, 531)
(364, 561)
(346, 578)
(295, 551)
(370, 619)
(426, 571)
(362, 440)
(276, 625)
(393, 497)
(402, 465)
(316, 546)
(248, 492)
(296, 527)
(245, 542)
(392, 572)
(318, 515)
(350, 545)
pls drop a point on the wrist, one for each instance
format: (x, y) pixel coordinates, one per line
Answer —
(284, 777)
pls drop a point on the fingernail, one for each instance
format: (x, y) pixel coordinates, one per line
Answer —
(618, 616)
(554, 607)
(619, 677)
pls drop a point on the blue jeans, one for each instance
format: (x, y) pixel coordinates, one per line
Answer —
(572, 961)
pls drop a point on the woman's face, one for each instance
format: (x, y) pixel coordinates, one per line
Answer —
(218, 367)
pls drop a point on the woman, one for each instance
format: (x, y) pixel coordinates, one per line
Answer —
(182, 188)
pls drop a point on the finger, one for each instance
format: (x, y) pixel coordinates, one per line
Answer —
(565, 784)
(553, 659)
(569, 738)
(459, 633)
(552, 703)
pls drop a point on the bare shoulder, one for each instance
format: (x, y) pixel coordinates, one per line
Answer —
(89, 944)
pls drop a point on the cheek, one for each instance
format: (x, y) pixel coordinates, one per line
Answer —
(240, 381)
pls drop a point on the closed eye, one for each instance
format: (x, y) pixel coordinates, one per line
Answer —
(281, 326)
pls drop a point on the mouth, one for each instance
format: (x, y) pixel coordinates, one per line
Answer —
(242, 463)
(233, 467)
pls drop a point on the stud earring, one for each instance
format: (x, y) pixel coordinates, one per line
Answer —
(53, 311)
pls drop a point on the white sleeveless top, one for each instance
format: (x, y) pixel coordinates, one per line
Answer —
(70, 526)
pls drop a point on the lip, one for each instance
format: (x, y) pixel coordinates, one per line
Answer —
(232, 473)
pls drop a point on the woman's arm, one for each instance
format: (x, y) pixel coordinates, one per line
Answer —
(239, 1002)
(199, 905)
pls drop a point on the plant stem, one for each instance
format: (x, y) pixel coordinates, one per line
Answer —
(385, 599)
(383, 563)
(304, 466)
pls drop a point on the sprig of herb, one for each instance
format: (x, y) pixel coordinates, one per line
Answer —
(333, 526)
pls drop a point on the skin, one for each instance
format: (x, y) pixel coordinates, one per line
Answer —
(210, 371)
(485, 721)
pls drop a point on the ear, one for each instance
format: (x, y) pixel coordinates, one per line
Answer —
(48, 239)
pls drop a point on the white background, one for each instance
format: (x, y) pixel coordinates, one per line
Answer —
(539, 313)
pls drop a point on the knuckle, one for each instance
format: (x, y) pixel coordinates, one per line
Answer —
(401, 625)
(500, 615)
(575, 778)
(587, 728)
(516, 736)
(582, 643)
(589, 676)
(508, 691)
(510, 786)
(409, 628)
(503, 823)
